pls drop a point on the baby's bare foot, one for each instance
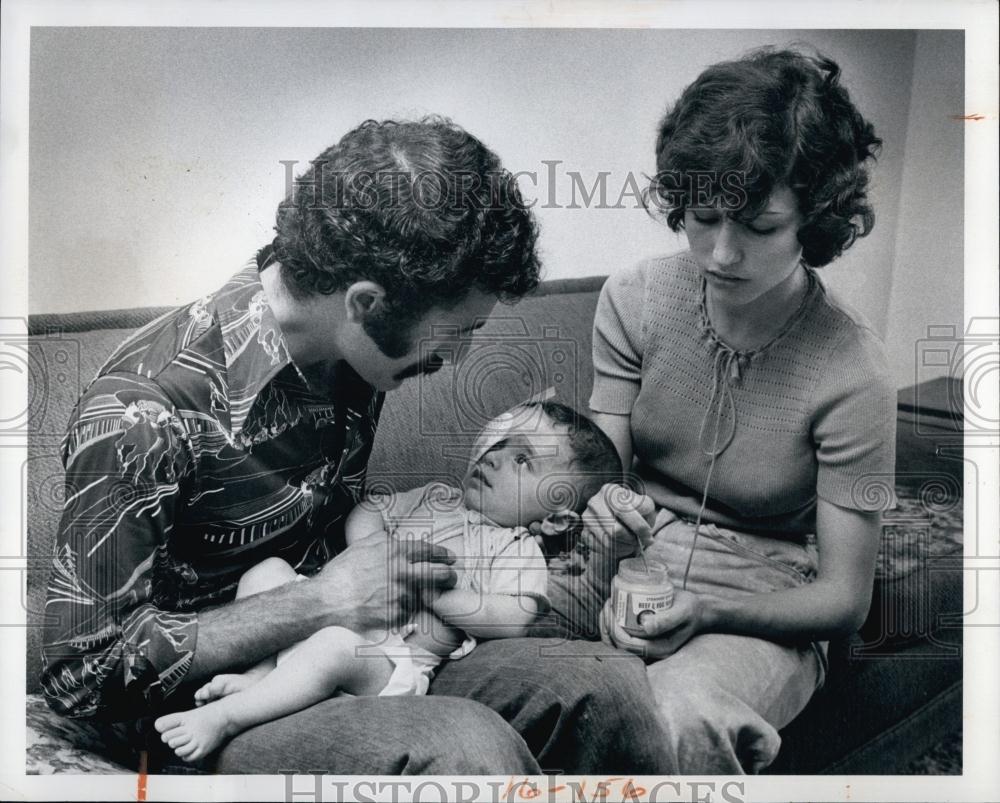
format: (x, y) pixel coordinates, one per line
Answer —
(194, 734)
(223, 685)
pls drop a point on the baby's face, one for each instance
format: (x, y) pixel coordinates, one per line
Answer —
(523, 477)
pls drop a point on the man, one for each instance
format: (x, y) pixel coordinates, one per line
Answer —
(239, 428)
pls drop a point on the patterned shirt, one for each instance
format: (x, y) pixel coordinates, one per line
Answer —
(197, 451)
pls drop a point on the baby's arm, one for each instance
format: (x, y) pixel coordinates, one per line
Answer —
(429, 632)
(433, 634)
(486, 616)
(510, 594)
(363, 520)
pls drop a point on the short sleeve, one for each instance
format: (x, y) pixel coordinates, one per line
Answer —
(855, 427)
(410, 514)
(110, 652)
(518, 569)
(618, 326)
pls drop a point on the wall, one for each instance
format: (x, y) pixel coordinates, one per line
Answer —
(927, 272)
(156, 153)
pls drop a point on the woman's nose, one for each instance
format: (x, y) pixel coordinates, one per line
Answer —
(726, 250)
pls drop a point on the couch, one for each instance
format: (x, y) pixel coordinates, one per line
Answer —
(894, 688)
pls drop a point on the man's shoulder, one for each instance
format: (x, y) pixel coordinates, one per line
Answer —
(150, 350)
(186, 346)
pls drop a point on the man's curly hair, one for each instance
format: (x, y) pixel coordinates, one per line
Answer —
(772, 118)
(422, 208)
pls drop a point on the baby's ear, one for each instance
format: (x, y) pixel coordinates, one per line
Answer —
(556, 532)
(560, 522)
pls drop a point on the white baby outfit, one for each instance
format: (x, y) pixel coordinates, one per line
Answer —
(489, 559)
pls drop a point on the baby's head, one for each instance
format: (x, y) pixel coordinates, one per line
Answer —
(550, 459)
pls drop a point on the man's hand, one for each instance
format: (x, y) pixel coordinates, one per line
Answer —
(666, 631)
(377, 581)
(616, 520)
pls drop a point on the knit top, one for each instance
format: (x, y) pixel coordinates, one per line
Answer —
(809, 414)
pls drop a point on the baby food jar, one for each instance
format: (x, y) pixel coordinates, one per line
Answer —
(639, 590)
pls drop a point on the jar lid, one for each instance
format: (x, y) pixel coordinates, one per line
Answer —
(644, 570)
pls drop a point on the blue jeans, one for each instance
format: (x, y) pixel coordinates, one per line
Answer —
(512, 707)
(574, 706)
(582, 707)
(723, 697)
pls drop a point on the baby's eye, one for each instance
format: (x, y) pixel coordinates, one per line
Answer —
(522, 459)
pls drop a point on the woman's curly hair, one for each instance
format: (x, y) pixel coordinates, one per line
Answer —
(422, 208)
(772, 118)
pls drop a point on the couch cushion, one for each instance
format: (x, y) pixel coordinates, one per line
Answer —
(428, 426)
(915, 690)
(56, 744)
(918, 587)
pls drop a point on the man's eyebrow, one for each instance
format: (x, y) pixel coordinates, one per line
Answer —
(479, 324)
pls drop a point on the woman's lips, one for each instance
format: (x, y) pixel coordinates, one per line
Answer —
(722, 277)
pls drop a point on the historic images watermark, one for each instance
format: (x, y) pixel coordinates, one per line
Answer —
(315, 787)
(550, 186)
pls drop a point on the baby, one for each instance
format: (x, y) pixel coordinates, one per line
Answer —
(531, 475)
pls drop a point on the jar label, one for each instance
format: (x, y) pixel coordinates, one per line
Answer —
(631, 607)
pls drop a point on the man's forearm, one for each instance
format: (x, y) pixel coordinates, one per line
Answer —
(368, 585)
(247, 630)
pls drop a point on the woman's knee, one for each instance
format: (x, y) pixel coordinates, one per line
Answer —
(707, 728)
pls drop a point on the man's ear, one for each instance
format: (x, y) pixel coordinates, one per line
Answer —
(363, 298)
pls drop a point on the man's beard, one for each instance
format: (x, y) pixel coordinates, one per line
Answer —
(394, 338)
(429, 365)
(392, 333)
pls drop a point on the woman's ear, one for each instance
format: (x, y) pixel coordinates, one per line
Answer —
(361, 299)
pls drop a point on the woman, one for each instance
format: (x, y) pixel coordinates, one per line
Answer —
(753, 404)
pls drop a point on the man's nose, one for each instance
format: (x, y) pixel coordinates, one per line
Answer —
(726, 250)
